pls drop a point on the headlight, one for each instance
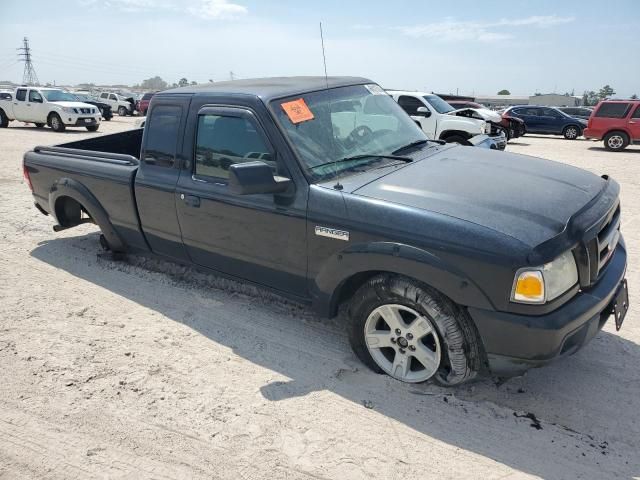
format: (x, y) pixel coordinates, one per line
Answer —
(69, 110)
(545, 283)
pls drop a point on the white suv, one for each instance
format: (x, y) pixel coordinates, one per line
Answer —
(434, 117)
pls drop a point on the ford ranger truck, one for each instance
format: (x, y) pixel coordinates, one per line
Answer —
(48, 106)
(453, 261)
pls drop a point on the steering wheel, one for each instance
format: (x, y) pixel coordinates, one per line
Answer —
(359, 134)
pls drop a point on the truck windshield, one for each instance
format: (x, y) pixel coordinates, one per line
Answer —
(58, 96)
(439, 104)
(354, 126)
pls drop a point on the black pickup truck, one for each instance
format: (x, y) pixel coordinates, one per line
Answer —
(453, 261)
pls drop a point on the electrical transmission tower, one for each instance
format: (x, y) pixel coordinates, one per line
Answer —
(29, 76)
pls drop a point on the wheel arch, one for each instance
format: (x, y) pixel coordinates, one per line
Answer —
(449, 133)
(67, 196)
(344, 273)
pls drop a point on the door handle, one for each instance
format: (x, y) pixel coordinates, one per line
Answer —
(190, 200)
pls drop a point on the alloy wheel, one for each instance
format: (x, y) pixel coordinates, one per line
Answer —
(403, 343)
(615, 142)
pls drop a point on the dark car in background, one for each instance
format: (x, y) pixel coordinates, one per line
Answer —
(577, 112)
(105, 108)
(548, 121)
(513, 127)
(143, 104)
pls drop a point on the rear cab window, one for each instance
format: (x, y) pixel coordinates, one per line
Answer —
(162, 136)
(613, 110)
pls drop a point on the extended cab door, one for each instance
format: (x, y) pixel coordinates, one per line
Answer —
(20, 108)
(260, 237)
(427, 121)
(156, 179)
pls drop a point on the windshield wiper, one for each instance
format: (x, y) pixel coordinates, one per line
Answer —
(364, 156)
(418, 142)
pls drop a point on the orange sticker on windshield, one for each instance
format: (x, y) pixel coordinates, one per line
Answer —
(297, 111)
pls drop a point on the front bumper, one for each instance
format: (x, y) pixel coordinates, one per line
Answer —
(515, 343)
(80, 121)
(591, 134)
(485, 141)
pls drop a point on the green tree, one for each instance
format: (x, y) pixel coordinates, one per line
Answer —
(606, 92)
(590, 98)
(183, 82)
(193, 82)
(504, 92)
(154, 83)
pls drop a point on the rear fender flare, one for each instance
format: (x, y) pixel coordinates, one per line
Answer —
(68, 187)
(399, 259)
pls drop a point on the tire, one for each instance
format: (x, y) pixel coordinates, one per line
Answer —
(459, 139)
(437, 339)
(55, 122)
(93, 128)
(39, 125)
(122, 111)
(571, 132)
(616, 141)
(4, 120)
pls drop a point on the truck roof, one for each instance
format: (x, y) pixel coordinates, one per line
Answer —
(270, 88)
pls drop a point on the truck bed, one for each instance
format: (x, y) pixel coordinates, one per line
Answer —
(99, 174)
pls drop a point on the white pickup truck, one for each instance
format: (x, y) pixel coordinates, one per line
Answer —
(118, 103)
(48, 106)
(439, 121)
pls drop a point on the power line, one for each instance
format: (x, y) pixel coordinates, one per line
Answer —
(29, 76)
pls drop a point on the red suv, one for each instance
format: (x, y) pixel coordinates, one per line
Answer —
(617, 122)
(144, 103)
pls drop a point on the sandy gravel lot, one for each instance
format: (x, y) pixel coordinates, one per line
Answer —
(148, 370)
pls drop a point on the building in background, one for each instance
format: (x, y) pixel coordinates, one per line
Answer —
(555, 100)
(502, 101)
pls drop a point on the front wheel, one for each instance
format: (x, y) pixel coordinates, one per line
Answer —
(93, 128)
(55, 122)
(616, 141)
(4, 120)
(413, 333)
(122, 111)
(571, 132)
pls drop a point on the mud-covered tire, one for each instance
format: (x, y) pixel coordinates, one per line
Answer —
(4, 120)
(461, 353)
(55, 122)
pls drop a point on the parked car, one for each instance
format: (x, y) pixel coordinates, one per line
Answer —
(104, 108)
(143, 104)
(617, 122)
(438, 120)
(48, 106)
(453, 261)
(512, 127)
(118, 103)
(548, 121)
(577, 112)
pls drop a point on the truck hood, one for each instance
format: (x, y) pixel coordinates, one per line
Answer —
(73, 104)
(527, 198)
(479, 113)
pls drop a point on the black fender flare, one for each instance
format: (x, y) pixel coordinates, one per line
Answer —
(449, 133)
(68, 187)
(394, 258)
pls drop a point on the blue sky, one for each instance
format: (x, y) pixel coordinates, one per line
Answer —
(474, 47)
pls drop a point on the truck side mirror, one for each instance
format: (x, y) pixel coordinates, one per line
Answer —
(251, 178)
(423, 112)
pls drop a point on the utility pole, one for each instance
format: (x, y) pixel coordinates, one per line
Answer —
(232, 76)
(29, 76)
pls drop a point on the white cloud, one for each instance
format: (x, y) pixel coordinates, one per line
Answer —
(217, 9)
(450, 30)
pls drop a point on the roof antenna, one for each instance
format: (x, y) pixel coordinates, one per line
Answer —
(338, 185)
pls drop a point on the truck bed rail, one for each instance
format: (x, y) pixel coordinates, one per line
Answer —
(104, 157)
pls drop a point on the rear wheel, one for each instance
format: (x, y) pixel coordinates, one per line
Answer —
(55, 122)
(4, 120)
(571, 132)
(616, 141)
(413, 333)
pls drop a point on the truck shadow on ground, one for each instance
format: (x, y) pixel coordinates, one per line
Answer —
(567, 419)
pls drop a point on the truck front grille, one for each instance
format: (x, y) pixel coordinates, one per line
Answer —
(594, 256)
